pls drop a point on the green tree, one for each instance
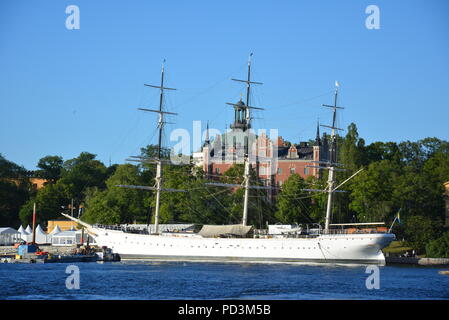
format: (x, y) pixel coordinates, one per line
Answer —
(82, 173)
(416, 194)
(260, 209)
(205, 204)
(174, 204)
(351, 149)
(372, 189)
(419, 231)
(318, 200)
(10, 170)
(117, 204)
(293, 203)
(50, 168)
(151, 151)
(438, 248)
(378, 151)
(12, 197)
(15, 189)
(50, 202)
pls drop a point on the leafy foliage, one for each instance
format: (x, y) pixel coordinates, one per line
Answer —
(420, 230)
(293, 202)
(372, 192)
(408, 175)
(50, 168)
(115, 204)
(15, 189)
(49, 200)
(439, 248)
(82, 173)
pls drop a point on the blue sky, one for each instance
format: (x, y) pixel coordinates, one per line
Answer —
(67, 91)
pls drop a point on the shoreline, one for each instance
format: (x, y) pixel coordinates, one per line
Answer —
(11, 251)
(417, 261)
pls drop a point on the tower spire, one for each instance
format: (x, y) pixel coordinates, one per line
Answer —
(206, 140)
(317, 139)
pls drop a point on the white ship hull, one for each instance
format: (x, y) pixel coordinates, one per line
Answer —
(341, 248)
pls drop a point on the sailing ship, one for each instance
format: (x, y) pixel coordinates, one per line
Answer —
(335, 243)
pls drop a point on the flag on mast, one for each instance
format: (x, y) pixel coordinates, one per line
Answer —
(337, 84)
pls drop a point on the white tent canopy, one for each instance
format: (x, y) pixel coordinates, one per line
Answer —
(29, 230)
(41, 236)
(55, 230)
(24, 234)
(9, 236)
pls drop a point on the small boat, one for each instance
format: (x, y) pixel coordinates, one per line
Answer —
(92, 257)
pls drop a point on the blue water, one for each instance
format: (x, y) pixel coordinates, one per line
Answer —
(188, 280)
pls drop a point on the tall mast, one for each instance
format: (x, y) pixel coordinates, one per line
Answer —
(246, 175)
(332, 160)
(331, 164)
(246, 126)
(159, 147)
(158, 159)
(161, 122)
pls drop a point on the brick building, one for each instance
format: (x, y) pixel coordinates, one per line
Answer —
(274, 161)
(36, 183)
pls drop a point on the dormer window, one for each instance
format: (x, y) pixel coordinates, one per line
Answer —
(292, 152)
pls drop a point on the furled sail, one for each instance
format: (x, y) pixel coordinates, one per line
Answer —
(210, 231)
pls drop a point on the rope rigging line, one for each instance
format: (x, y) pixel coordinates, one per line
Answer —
(211, 86)
(204, 216)
(219, 202)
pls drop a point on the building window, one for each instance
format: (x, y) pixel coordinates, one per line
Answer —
(279, 171)
(217, 170)
(292, 170)
(306, 170)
